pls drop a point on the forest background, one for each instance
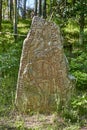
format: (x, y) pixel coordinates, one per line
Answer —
(15, 22)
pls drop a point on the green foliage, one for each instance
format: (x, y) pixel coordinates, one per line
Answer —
(79, 62)
(10, 52)
(81, 83)
(80, 104)
(8, 63)
(20, 125)
(78, 67)
(73, 127)
(70, 115)
(77, 109)
(7, 26)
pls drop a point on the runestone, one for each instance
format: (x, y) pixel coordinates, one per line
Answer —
(43, 80)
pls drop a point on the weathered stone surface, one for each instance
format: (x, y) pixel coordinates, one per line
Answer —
(43, 78)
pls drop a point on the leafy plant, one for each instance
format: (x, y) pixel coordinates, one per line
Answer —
(81, 83)
(77, 109)
(80, 104)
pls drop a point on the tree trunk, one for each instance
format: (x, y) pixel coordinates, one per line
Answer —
(82, 23)
(15, 19)
(50, 7)
(44, 9)
(35, 10)
(7, 9)
(40, 7)
(11, 9)
(24, 10)
(81, 33)
(0, 14)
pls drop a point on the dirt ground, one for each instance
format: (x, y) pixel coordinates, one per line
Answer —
(35, 122)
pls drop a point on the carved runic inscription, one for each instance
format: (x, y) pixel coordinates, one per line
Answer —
(43, 72)
(40, 74)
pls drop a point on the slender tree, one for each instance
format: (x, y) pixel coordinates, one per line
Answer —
(11, 9)
(50, 7)
(35, 9)
(15, 19)
(24, 9)
(40, 7)
(81, 23)
(44, 9)
(0, 13)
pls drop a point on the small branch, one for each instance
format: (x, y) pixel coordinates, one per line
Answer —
(8, 33)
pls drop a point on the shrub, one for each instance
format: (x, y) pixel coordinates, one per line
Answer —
(81, 78)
